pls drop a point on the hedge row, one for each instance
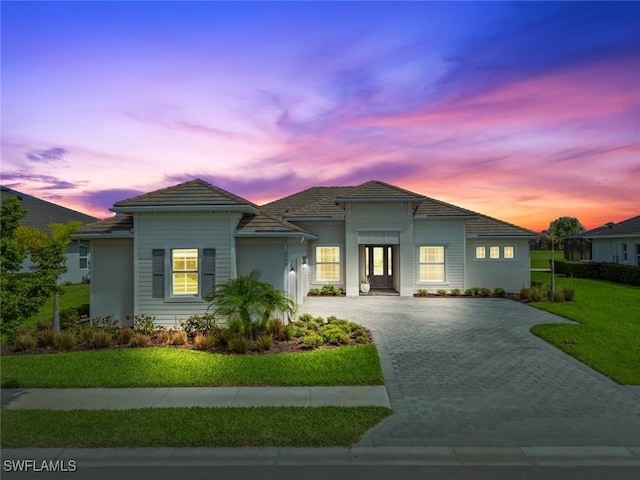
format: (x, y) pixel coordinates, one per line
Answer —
(612, 272)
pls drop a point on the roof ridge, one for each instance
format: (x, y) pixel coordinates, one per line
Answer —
(331, 196)
(362, 186)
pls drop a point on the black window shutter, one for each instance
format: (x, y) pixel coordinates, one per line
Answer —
(208, 271)
(158, 274)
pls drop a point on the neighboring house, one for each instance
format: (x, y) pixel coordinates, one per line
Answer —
(40, 214)
(613, 242)
(164, 252)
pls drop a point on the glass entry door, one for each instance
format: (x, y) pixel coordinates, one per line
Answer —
(378, 265)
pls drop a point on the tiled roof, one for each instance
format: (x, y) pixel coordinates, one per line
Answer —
(325, 202)
(630, 226)
(313, 202)
(265, 223)
(485, 226)
(41, 213)
(193, 193)
(376, 190)
(109, 225)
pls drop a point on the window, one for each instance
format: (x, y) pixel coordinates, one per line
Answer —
(84, 257)
(481, 252)
(184, 271)
(431, 264)
(327, 264)
(624, 252)
(189, 273)
(494, 251)
(509, 252)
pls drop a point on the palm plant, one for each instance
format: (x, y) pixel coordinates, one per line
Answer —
(247, 303)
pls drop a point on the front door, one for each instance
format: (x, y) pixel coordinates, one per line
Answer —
(379, 266)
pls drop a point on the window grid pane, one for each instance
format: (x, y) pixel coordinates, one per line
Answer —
(432, 268)
(327, 264)
(494, 251)
(185, 276)
(481, 252)
(509, 252)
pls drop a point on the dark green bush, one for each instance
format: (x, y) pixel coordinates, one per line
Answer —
(500, 292)
(334, 335)
(144, 324)
(441, 292)
(422, 293)
(525, 294)
(611, 272)
(195, 324)
(456, 292)
(239, 344)
(484, 292)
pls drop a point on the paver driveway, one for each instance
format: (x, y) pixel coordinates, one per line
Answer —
(467, 372)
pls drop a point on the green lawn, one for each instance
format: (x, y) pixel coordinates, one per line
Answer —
(171, 367)
(540, 258)
(189, 427)
(73, 296)
(608, 336)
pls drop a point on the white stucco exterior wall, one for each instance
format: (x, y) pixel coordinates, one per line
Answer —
(510, 274)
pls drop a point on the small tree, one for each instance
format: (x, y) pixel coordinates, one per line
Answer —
(48, 253)
(249, 303)
(562, 228)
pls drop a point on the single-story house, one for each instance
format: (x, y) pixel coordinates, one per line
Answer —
(41, 214)
(613, 242)
(165, 251)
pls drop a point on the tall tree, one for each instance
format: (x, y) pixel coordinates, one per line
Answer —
(564, 227)
(21, 293)
(48, 253)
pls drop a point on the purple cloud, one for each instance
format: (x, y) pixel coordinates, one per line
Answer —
(53, 183)
(50, 155)
(104, 199)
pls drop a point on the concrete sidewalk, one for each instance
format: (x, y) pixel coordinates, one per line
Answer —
(191, 457)
(128, 398)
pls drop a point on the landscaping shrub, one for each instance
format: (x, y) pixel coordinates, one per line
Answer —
(125, 335)
(139, 340)
(441, 292)
(71, 317)
(44, 326)
(525, 293)
(538, 293)
(64, 340)
(500, 292)
(330, 290)
(612, 272)
(23, 331)
(85, 332)
(45, 338)
(24, 341)
(311, 340)
(334, 335)
(178, 337)
(204, 341)
(568, 293)
(355, 329)
(456, 292)
(162, 336)
(422, 293)
(558, 296)
(144, 324)
(195, 324)
(101, 340)
(278, 329)
(313, 292)
(484, 292)
(239, 344)
(264, 342)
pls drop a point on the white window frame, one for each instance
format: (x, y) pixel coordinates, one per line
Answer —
(443, 263)
(317, 278)
(625, 253)
(83, 257)
(513, 252)
(494, 252)
(173, 272)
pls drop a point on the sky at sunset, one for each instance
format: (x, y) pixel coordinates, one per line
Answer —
(523, 111)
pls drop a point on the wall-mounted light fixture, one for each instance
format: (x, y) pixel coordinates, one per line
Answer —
(291, 269)
(304, 260)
